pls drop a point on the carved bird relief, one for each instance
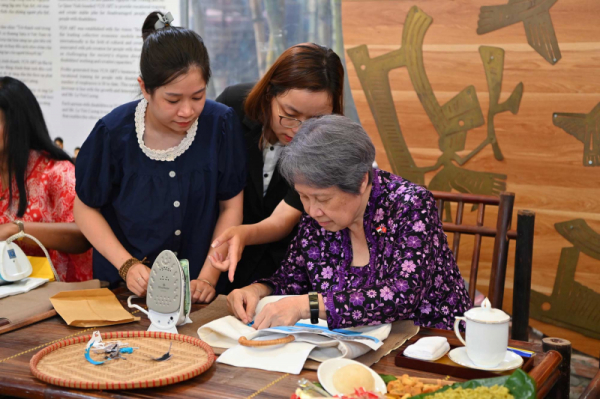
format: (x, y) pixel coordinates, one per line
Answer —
(535, 15)
(585, 128)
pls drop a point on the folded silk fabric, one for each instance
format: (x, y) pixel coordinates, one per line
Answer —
(288, 358)
(41, 268)
(316, 342)
(40, 275)
(21, 287)
(428, 348)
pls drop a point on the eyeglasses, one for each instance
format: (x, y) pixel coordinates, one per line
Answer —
(287, 121)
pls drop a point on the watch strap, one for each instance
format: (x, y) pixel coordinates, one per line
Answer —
(313, 302)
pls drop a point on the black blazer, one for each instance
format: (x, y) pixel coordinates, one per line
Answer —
(257, 261)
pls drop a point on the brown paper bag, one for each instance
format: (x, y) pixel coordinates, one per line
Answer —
(21, 310)
(91, 308)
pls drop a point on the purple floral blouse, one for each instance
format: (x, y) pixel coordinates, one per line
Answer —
(411, 274)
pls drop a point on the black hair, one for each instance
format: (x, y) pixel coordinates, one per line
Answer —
(59, 139)
(170, 52)
(77, 148)
(24, 130)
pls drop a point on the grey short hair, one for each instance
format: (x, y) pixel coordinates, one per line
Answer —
(329, 151)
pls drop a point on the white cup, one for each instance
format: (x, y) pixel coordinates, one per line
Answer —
(486, 335)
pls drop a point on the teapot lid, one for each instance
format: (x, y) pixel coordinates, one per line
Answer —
(487, 314)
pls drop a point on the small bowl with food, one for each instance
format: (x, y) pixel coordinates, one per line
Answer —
(344, 376)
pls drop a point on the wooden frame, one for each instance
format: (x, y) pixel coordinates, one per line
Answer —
(502, 234)
(593, 389)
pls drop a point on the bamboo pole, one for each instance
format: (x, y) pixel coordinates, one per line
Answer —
(259, 35)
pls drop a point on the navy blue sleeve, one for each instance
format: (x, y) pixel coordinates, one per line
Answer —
(95, 171)
(232, 158)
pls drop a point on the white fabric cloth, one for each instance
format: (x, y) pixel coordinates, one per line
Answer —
(271, 153)
(21, 286)
(289, 358)
(428, 348)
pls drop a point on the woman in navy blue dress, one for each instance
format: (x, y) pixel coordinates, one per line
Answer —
(165, 172)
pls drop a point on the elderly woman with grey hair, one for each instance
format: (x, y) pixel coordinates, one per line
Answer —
(370, 248)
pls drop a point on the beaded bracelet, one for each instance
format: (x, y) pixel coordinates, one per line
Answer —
(127, 265)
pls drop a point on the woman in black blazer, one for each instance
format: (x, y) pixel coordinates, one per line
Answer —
(307, 80)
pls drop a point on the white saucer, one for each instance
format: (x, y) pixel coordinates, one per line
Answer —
(328, 368)
(511, 360)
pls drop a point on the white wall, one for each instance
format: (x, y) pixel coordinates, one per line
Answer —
(79, 57)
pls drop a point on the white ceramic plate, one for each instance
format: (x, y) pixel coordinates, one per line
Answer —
(328, 368)
(511, 360)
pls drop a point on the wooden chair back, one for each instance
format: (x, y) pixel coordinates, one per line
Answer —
(593, 389)
(500, 256)
(501, 234)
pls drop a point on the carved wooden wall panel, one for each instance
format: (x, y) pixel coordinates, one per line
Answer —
(535, 155)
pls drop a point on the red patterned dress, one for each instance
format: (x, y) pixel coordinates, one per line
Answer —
(50, 186)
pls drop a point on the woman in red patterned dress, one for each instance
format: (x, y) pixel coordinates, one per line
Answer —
(42, 188)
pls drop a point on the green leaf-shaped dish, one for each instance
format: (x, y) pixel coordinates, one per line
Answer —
(519, 383)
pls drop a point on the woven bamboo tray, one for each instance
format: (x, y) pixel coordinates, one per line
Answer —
(64, 363)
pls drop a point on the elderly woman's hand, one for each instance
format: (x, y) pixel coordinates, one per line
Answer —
(285, 312)
(242, 302)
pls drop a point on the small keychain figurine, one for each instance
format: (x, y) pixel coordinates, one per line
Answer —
(112, 350)
(96, 339)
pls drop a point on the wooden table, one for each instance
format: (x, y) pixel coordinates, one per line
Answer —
(221, 381)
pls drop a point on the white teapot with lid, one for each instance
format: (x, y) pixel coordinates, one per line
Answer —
(486, 334)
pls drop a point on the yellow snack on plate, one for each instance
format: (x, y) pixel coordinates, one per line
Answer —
(405, 387)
